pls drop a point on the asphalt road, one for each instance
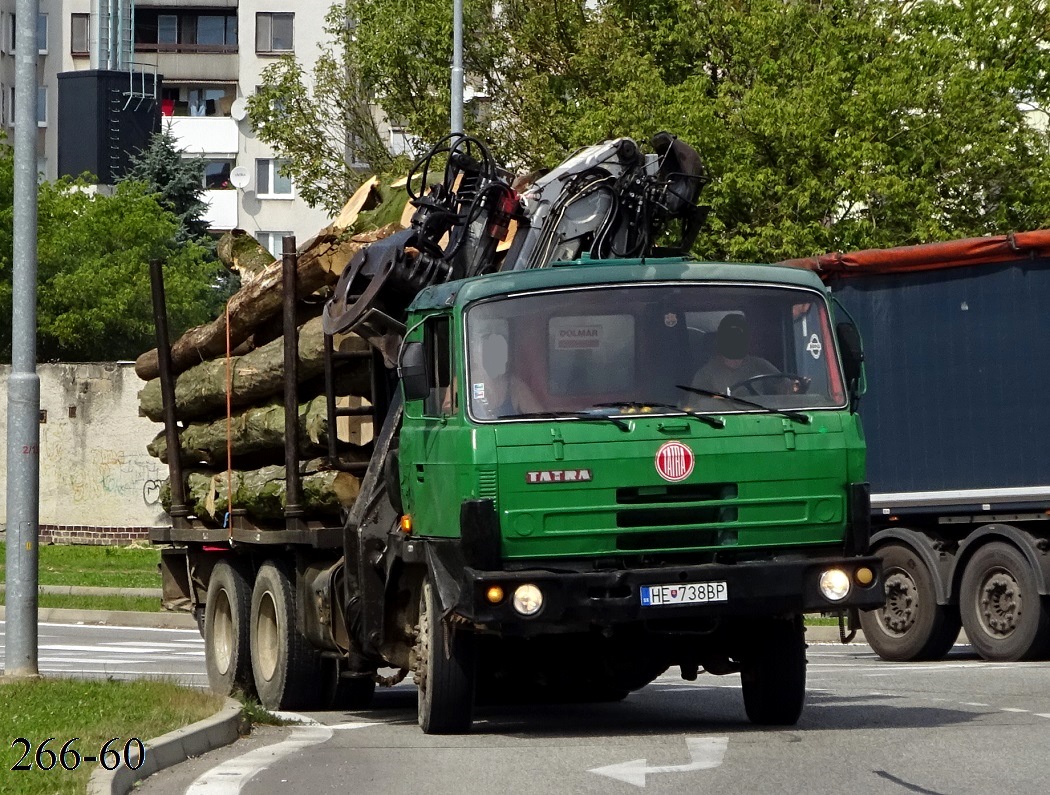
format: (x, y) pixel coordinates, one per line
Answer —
(958, 726)
(102, 651)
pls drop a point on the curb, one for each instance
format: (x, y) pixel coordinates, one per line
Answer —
(121, 618)
(177, 746)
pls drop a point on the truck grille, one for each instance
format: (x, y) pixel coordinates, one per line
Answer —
(655, 495)
(676, 513)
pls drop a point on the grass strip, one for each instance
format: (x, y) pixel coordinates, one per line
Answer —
(106, 567)
(89, 712)
(143, 604)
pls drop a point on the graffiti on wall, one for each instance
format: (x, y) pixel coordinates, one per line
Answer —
(116, 474)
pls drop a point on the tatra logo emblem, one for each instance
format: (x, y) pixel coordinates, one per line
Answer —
(674, 461)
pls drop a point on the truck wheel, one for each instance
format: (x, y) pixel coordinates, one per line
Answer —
(912, 626)
(773, 677)
(286, 667)
(1004, 615)
(445, 673)
(226, 622)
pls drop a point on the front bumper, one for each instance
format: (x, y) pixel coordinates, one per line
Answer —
(575, 601)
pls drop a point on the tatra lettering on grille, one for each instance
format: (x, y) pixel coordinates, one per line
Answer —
(559, 476)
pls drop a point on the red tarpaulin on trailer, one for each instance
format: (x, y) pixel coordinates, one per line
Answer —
(931, 256)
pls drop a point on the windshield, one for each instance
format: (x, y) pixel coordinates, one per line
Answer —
(668, 347)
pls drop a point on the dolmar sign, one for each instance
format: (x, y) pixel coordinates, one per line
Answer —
(559, 476)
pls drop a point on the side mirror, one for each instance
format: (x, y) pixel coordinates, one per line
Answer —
(412, 370)
(852, 355)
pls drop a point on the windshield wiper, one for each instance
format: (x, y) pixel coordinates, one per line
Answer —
(714, 422)
(797, 416)
(575, 415)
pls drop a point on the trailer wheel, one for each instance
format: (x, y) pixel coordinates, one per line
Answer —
(445, 671)
(911, 626)
(226, 621)
(286, 667)
(1004, 615)
(773, 677)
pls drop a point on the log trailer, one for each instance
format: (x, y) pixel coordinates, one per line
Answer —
(956, 336)
(552, 507)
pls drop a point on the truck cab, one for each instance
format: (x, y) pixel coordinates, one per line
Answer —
(618, 467)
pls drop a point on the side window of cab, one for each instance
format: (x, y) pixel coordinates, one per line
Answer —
(437, 341)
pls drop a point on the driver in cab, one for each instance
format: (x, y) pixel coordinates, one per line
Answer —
(732, 366)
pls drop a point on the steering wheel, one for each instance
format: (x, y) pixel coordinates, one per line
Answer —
(797, 384)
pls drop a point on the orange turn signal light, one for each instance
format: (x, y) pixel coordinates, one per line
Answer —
(406, 524)
(494, 594)
(864, 576)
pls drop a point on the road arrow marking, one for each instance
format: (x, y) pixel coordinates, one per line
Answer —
(706, 753)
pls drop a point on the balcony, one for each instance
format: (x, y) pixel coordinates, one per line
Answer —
(205, 135)
(196, 62)
(222, 209)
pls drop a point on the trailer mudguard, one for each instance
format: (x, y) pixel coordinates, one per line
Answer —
(1036, 550)
(936, 559)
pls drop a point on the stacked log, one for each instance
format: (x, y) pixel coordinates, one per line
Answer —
(230, 379)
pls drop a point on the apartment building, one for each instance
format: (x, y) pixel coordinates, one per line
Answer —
(211, 54)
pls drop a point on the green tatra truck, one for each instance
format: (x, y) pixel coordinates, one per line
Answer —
(583, 473)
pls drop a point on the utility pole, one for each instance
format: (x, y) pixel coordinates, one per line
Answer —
(457, 66)
(23, 387)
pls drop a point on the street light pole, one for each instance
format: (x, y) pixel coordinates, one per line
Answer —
(23, 387)
(457, 66)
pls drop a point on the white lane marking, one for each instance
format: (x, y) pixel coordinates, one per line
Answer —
(84, 625)
(1042, 714)
(974, 704)
(231, 776)
(72, 647)
(1011, 709)
(705, 752)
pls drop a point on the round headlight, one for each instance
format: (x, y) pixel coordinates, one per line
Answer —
(834, 585)
(528, 599)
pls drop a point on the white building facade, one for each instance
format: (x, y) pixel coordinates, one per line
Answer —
(211, 54)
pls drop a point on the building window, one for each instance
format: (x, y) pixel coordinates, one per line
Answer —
(169, 30)
(12, 30)
(197, 100)
(41, 33)
(273, 32)
(11, 106)
(79, 25)
(217, 175)
(269, 181)
(41, 106)
(272, 242)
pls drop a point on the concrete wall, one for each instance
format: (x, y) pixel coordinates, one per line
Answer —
(97, 482)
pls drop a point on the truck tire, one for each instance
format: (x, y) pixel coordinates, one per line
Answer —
(773, 674)
(286, 668)
(445, 673)
(1005, 617)
(912, 626)
(226, 621)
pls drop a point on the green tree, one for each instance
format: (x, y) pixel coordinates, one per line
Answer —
(321, 124)
(838, 124)
(93, 261)
(93, 253)
(177, 182)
